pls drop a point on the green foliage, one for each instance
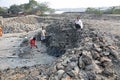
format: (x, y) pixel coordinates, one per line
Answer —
(38, 8)
(3, 10)
(113, 10)
(33, 7)
(116, 11)
(94, 10)
(14, 9)
(33, 4)
(51, 10)
(43, 7)
(109, 11)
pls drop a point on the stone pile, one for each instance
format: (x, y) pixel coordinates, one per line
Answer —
(88, 54)
(24, 23)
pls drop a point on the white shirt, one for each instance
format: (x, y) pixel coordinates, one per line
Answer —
(79, 22)
(43, 33)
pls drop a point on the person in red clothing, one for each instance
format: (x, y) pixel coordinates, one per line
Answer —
(33, 42)
(0, 31)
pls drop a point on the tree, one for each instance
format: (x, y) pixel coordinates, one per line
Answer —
(33, 4)
(22, 7)
(94, 10)
(51, 10)
(116, 11)
(43, 7)
(113, 10)
(32, 7)
(109, 10)
(14, 9)
(1, 10)
(35, 7)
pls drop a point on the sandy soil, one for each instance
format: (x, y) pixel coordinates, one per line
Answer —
(109, 26)
(9, 45)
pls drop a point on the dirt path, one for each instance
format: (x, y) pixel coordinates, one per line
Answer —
(9, 43)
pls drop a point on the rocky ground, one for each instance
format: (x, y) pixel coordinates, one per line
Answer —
(88, 54)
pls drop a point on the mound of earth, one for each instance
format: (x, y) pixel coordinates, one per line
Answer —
(87, 54)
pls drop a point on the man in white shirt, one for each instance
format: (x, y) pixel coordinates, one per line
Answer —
(43, 33)
(78, 23)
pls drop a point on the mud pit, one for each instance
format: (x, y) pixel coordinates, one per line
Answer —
(9, 45)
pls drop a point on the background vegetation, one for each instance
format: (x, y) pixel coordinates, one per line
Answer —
(111, 10)
(33, 7)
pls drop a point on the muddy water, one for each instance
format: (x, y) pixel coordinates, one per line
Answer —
(8, 47)
(18, 62)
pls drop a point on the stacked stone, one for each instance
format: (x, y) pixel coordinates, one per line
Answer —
(24, 24)
(91, 59)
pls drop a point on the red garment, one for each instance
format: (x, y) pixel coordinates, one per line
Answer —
(0, 31)
(32, 43)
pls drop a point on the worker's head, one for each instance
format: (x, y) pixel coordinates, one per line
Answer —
(34, 38)
(78, 17)
(43, 27)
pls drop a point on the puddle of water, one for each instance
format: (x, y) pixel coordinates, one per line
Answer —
(19, 62)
